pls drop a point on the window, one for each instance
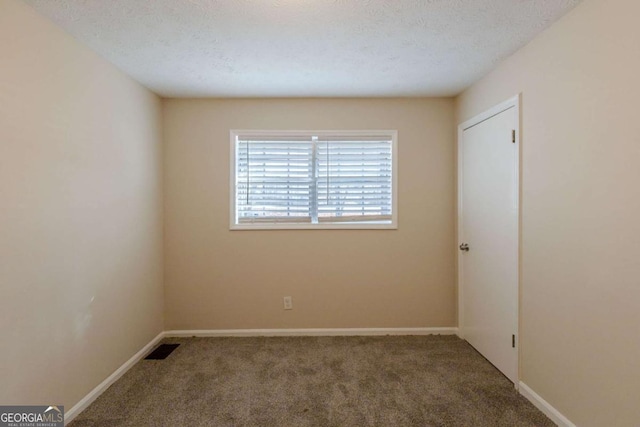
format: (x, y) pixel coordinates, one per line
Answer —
(284, 179)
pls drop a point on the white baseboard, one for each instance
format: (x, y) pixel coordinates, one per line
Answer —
(96, 392)
(310, 332)
(544, 406)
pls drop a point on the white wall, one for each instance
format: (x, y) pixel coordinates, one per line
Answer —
(221, 279)
(580, 296)
(80, 214)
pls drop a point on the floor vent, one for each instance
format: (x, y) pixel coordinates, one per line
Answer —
(161, 352)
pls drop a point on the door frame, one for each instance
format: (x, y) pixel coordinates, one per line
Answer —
(514, 102)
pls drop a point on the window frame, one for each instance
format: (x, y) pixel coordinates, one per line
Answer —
(372, 225)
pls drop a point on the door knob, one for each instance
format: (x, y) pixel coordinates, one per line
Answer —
(464, 247)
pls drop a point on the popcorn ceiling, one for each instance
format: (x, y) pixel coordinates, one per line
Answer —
(304, 48)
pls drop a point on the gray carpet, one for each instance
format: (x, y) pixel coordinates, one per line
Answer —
(314, 381)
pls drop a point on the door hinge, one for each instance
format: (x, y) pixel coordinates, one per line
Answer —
(513, 136)
(513, 341)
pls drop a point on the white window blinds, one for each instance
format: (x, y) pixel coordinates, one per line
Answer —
(354, 179)
(274, 179)
(313, 179)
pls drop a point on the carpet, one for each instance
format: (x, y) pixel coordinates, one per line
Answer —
(314, 381)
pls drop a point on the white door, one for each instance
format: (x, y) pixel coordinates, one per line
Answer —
(488, 235)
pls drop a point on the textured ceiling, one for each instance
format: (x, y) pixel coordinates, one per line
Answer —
(281, 48)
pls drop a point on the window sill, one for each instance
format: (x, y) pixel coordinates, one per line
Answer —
(334, 226)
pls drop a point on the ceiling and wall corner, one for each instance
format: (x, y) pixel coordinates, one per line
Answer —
(304, 48)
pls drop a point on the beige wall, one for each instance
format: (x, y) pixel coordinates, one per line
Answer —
(581, 204)
(80, 214)
(221, 279)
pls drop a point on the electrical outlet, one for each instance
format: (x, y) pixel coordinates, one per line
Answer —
(288, 303)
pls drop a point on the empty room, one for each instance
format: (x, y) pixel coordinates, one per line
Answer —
(319, 213)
